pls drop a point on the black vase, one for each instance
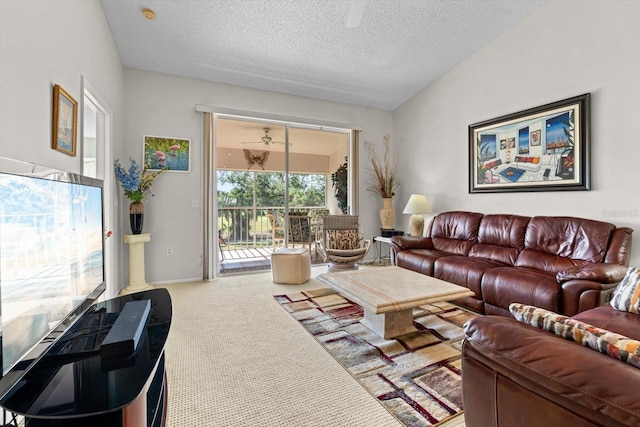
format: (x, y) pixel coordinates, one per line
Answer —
(136, 217)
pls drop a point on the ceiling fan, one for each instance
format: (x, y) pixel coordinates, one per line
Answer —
(266, 139)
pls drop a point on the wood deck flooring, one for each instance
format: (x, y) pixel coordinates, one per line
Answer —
(251, 259)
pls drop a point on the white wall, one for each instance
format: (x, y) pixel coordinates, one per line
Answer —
(563, 49)
(43, 43)
(164, 105)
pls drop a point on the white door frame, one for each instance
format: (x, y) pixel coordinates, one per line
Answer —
(104, 160)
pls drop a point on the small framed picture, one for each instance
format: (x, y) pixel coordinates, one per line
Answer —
(65, 122)
(169, 154)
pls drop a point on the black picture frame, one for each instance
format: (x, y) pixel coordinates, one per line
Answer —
(545, 148)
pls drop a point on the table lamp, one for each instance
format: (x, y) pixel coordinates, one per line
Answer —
(416, 206)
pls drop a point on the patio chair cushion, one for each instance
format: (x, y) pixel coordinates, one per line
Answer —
(299, 229)
(343, 239)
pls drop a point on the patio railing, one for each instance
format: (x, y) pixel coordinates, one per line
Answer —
(249, 227)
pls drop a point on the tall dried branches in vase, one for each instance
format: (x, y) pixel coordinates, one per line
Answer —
(385, 180)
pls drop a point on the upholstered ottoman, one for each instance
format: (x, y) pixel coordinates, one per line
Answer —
(291, 266)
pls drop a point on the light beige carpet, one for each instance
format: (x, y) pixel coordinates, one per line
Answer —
(236, 358)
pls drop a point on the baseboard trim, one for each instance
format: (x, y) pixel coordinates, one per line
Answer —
(169, 282)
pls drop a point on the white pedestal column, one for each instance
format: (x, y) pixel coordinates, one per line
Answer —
(137, 281)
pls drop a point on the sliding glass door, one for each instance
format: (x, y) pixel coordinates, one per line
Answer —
(268, 177)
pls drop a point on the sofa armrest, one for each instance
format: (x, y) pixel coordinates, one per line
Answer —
(400, 243)
(405, 242)
(600, 272)
(588, 286)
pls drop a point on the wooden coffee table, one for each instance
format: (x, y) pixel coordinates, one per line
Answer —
(388, 295)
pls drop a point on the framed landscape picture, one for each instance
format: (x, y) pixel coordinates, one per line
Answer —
(170, 154)
(545, 148)
(65, 122)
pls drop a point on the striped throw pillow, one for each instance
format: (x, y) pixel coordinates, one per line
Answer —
(626, 297)
(606, 342)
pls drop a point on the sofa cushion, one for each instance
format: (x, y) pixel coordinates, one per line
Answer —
(626, 297)
(419, 260)
(464, 271)
(492, 164)
(544, 261)
(455, 232)
(602, 340)
(500, 238)
(567, 237)
(503, 285)
(608, 318)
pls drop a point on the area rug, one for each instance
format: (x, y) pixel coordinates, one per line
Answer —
(416, 376)
(512, 174)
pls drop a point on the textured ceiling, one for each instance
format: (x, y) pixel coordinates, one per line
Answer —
(303, 47)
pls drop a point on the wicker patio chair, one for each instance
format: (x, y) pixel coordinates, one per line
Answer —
(342, 244)
(277, 228)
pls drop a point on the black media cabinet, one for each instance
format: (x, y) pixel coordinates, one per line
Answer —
(72, 385)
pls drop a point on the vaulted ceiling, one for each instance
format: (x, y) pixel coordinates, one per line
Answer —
(306, 47)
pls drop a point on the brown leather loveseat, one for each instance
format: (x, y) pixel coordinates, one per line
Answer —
(563, 264)
(514, 374)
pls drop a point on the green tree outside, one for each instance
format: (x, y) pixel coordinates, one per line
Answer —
(236, 190)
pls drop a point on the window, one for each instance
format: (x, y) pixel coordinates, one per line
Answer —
(235, 188)
(241, 221)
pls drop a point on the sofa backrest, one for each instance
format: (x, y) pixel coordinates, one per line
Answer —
(549, 243)
(558, 243)
(619, 249)
(500, 238)
(455, 232)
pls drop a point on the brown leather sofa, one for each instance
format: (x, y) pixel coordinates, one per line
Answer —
(564, 264)
(514, 374)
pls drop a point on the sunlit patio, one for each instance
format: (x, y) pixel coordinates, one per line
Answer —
(257, 179)
(247, 238)
(252, 259)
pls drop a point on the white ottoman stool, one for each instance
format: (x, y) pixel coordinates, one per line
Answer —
(291, 266)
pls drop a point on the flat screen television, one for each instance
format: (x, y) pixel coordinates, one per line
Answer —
(51, 259)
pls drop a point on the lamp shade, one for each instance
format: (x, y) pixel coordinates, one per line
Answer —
(417, 204)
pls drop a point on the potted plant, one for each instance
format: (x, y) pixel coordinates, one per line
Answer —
(339, 181)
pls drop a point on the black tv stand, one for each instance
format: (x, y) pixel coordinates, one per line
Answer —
(72, 386)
